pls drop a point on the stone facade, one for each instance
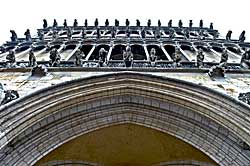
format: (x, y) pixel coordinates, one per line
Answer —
(211, 122)
(70, 81)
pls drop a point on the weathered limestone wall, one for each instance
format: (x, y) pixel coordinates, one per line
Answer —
(232, 84)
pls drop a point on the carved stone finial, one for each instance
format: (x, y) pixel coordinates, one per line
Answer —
(96, 22)
(149, 23)
(86, 22)
(45, 24)
(138, 23)
(170, 23)
(180, 24)
(75, 24)
(107, 23)
(229, 34)
(55, 23)
(116, 22)
(211, 26)
(65, 25)
(13, 35)
(201, 23)
(190, 23)
(242, 36)
(127, 22)
(159, 23)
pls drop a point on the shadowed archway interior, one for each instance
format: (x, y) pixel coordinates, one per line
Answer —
(126, 145)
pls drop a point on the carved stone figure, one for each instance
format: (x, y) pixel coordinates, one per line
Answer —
(215, 35)
(79, 56)
(171, 33)
(32, 59)
(98, 33)
(113, 32)
(13, 35)
(54, 58)
(143, 33)
(224, 56)
(55, 34)
(201, 35)
(69, 33)
(102, 57)
(128, 32)
(128, 57)
(11, 59)
(217, 71)
(245, 60)
(39, 70)
(40, 35)
(177, 57)
(153, 57)
(200, 58)
(186, 33)
(84, 33)
(157, 33)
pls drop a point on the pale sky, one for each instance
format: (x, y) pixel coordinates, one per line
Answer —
(225, 14)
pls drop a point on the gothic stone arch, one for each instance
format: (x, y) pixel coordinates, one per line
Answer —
(33, 126)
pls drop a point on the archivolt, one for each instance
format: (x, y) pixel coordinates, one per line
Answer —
(34, 125)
